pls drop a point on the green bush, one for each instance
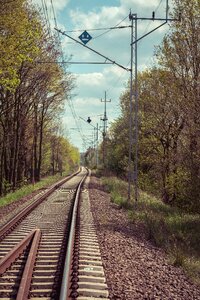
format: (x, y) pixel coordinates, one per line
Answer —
(167, 227)
(28, 189)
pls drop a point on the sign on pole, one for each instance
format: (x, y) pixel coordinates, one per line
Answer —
(85, 37)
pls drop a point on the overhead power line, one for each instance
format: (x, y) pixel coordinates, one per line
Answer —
(46, 16)
(111, 29)
(54, 14)
(98, 53)
(108, 29)
(62, 63)
(98, 29)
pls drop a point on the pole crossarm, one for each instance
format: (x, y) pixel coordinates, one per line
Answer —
(75, 62)
(157, 19)
(133, 16)
(140, 38)
(134, 20)
(106, 58)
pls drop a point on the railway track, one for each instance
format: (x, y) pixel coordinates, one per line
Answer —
(50, 250)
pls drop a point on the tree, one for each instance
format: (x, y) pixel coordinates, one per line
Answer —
(169, 95)
(180, 54)
(32, 93)
(19, 31)
(162, 123)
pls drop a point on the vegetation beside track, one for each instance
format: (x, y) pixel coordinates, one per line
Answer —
(175, 231)
(32, 99)
(28, 189)
(168, 117)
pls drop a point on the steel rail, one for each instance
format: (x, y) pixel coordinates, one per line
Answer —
(14, 253)
(65, 285)
(12, 223)
(25, 283)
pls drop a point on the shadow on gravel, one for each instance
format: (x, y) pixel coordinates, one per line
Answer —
(115, 224)
(128, 231)
(97, 186)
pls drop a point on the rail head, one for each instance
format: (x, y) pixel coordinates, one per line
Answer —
(25, 283)
(65, 285)
(14, 253)
(13, 222)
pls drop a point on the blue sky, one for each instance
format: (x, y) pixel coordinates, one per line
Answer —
(93, 80)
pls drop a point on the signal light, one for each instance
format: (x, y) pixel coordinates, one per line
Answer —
(89, 120)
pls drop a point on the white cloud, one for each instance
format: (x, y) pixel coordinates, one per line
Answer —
(58, 4)
(138, 4)
(115, 44)
(93, 79)
(111, 79)
(114, 71)
(93, 19)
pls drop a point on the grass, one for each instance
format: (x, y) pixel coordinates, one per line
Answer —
(28, 189)
(178, 233)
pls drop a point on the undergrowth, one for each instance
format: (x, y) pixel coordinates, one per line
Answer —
(27, 189)
(167, 227)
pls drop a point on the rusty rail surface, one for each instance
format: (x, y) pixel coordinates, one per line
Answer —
(7, 260)
(12, 223)
(28, 270)
(32, 238)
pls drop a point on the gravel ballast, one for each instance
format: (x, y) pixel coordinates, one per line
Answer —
(134, 268)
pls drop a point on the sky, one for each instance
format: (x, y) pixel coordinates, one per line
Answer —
(93, 80)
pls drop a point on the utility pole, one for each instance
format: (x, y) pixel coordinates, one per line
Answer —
(97, 145)
(105, 119)
(134, 40)
(133, 17)
(97, 137)
(130, 116)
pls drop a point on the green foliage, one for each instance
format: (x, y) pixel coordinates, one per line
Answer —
(20, 30)
(115, 184)
(167, 227)
(6, 186)
(169, 113)
(117, 189)
(26, 190)
(32, 99)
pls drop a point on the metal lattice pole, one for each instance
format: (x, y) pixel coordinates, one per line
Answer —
(133, 17)
(136, 118)
(130, 116)
(104, 128)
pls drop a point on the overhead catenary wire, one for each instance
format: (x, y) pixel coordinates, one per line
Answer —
(144, 32)
(123, 74)
(54, 14)
(147, 26)
(46, 16)
(116, 27)
(110, 28)
(105, 57)
(62, 63)
(100, 29)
